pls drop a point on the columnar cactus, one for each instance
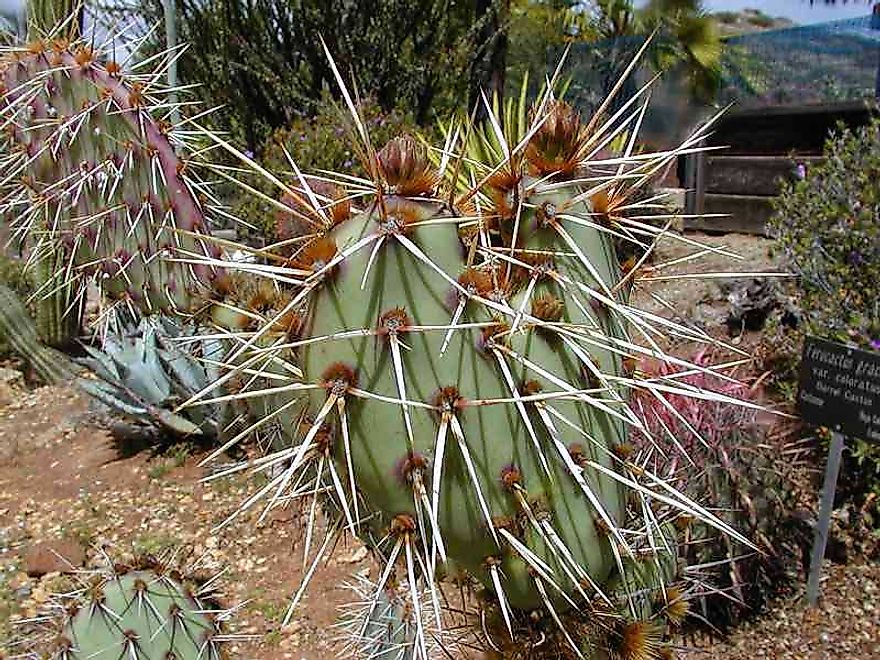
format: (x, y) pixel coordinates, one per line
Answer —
(17, 331)
(467, 346)
(94, 179)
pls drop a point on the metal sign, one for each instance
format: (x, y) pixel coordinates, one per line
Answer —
(840, 389)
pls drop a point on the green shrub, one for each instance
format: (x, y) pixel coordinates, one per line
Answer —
(827, 229)
(727, 16)
(761, 20)
(13, 275)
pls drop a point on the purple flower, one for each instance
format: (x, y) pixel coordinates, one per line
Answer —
(249, 154)
(855, 258)
(875, 344)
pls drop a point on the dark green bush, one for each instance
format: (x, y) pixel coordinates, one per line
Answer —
(263, 61)
(827, 229)
(323, 141)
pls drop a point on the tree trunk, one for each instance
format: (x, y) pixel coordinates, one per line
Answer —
(490, 61)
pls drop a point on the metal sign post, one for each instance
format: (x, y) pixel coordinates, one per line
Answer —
(839, 389)
(820, 539)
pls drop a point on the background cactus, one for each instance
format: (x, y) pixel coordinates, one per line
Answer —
(749, 472)
(384, 627)
(467, 351)
(93, 180)
(18, 332)
(139, 614)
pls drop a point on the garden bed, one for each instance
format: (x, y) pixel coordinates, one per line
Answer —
(67, 487)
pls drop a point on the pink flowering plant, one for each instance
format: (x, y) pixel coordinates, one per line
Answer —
(744, 470)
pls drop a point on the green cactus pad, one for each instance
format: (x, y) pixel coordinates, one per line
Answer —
(465, 357)
(139, 614)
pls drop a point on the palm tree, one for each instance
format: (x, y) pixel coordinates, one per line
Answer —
(685, 36)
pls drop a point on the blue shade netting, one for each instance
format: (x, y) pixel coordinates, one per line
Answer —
(822, 63)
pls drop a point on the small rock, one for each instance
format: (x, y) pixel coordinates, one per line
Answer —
(355, 557)
(281, 514)
(751, 302)
(53, 557)
(11, 385)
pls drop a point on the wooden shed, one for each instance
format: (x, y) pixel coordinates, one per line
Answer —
(761, 148)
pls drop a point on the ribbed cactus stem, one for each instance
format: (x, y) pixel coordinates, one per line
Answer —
(44, 15)
(145, 609)
(58, 314)
(57, 323)
(139, 614)
(19, 332)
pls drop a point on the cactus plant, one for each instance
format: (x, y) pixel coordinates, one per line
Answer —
(466, 345)
(94, 179)
(146, 609)
(145, 372)
(748, 471)
(383, 627)
(17, 330)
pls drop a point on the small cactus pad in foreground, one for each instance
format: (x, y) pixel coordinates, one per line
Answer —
(144, 613)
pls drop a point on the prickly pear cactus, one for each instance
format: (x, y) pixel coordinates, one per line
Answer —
(147, 610)
(467, 348)
(94, 178)
(384, 627)
(139, 614)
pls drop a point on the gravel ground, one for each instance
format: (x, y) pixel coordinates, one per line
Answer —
(65, 489)
(846, 624)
